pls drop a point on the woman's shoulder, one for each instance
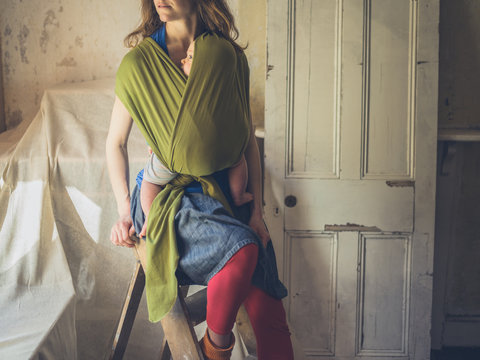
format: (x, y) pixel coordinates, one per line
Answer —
(138, 55)
(222, 50)
(242, 58)
(216, 44)
(135, 53)
(132, 57)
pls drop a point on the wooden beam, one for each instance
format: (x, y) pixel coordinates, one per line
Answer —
(471, 135)
(178, 330)
(245, 330)
(177, 325)
(165, 353)
(129, 311)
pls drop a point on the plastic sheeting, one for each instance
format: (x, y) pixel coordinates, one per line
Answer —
(62, 283)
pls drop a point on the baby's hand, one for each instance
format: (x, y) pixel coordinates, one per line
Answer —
(150, 151)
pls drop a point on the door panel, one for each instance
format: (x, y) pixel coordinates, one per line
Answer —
(371, 203)
(384, 283)
(314, 254)
(389, 79)
(313, 142)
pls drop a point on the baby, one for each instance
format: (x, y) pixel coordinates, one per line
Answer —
(156, 175)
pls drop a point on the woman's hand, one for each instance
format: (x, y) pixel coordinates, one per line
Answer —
(121, 232)
(258, 225)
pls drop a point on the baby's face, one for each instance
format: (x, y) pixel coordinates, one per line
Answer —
(187, 62)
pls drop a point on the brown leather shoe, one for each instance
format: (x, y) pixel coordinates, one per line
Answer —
(213, 352)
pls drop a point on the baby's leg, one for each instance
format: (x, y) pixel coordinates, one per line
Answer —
(238, 179)
(148, 192)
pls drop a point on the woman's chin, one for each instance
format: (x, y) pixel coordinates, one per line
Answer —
(165, 15)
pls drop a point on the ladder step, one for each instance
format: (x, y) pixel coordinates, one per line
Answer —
(197, 306)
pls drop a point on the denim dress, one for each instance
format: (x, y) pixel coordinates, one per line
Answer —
(208, 236)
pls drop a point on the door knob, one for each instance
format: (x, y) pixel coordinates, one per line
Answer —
(290, 201)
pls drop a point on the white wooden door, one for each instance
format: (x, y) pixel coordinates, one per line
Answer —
(350, 146)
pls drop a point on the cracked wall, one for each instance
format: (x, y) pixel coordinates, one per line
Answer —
(55, 41)
(251, 19)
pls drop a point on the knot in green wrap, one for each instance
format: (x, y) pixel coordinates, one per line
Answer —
(196, 126)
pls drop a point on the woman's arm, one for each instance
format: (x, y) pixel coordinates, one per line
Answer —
(252, 156)
(117, 162)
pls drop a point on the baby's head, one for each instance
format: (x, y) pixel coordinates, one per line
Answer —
(187, 62)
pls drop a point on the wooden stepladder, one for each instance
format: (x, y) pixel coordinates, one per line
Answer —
(180, 340)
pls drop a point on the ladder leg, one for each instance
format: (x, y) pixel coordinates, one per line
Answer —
(179, 332)
(165, 353)
(130, 307)
(245, 330)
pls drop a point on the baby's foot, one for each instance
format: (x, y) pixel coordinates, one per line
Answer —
(143, 233)
(243, 198)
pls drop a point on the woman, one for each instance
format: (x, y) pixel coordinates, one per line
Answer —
(213, 247)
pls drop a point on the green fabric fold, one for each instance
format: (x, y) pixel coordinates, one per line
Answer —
(196, 126)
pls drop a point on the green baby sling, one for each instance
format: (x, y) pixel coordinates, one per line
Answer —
(196, 126)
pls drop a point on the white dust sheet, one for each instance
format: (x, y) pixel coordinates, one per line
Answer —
(62, 283)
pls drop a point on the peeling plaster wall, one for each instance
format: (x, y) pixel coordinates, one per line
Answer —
(2, 107)
(53, 41)
(251, 18)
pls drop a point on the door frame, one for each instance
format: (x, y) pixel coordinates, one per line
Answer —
(426, 104)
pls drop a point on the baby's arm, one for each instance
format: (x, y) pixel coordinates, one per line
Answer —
(148, 192)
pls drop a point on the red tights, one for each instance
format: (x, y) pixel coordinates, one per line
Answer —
(231, 287)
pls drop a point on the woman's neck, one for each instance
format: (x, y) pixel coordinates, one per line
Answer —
(181, 33)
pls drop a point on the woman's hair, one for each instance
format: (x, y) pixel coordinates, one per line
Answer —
(214, 14)
(150, 22)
